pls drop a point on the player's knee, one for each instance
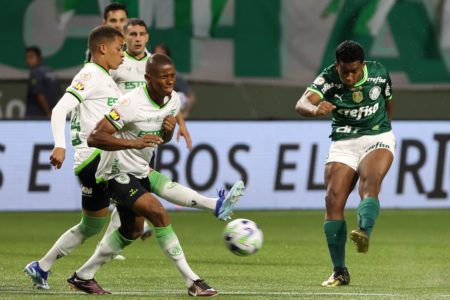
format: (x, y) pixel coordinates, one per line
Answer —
(90, 226)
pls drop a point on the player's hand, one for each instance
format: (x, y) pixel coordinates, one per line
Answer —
(323, 109)
(169, 123)
(182, 131)
(57, 157)
(148, 140)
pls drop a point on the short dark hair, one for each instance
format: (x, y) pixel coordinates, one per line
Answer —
(34, 49)
(157, 60)
(349, 51)
(101, 33)
(134, 22)
(164, 47)
(113, 7)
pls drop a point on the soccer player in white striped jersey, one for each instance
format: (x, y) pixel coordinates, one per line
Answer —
(142, 119)
(130, 75)
(91, 93)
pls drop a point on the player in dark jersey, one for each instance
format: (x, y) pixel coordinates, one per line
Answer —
(358, 95)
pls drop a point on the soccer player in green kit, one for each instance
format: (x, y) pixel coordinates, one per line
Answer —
(358, 95)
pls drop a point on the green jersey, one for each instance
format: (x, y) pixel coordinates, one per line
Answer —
(361, 109)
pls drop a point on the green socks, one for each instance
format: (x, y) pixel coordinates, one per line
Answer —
(336, 234)
(368, 211)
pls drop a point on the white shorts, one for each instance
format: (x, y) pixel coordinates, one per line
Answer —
(352, 151)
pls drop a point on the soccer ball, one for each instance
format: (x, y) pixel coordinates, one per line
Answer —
(243, 237)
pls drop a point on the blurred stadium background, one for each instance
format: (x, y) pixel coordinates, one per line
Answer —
(248, 62)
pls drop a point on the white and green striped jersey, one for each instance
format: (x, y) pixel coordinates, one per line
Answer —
(130, 74)
(97, 93)
(135, 115)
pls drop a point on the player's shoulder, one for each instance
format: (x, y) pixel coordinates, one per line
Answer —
(175, 97)
(326, 79)
(376, 67)
(328, 75)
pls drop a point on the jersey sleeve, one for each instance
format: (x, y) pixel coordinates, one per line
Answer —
(82, 86)
(321, 85)
(176, 104)
(387, 92)
(121, 114)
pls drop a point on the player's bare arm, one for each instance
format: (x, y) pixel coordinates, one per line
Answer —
(183, 131)
(389, 108)
(57, 157)
(102, 137)
(169, 126)
(310, 105)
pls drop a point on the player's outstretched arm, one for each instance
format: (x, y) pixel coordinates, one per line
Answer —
(102, 137)
(310, 105)
(183, 131)
(58, 121)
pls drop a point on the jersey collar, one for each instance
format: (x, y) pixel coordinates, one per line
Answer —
(364, 77)
(100, 67)
(128, 55)
(153, 102)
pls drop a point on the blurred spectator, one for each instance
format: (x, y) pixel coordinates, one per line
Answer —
(181, 86)
(43, 87)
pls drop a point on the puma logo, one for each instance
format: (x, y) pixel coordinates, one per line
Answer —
(339, 97)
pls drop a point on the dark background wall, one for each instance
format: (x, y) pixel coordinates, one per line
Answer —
(245, 101)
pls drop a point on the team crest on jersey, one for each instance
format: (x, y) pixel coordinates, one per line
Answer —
(114, 115)
(319, 80)
(357, 96)
(78, 86)
(123, 179)
(375, 92)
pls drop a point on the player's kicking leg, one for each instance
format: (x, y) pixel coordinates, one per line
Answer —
(175, 193)
(227, 201)
(38, 276)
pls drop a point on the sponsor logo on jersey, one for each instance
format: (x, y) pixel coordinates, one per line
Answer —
(129, 85)
(110, 101)
(114, 115)
(153, 132)
(374, 92)
(346, 129)
(328, 86)
(387, 90)
(358, 113)
(78, 86)
(376, 79)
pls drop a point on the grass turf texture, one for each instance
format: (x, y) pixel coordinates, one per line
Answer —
(409, 258)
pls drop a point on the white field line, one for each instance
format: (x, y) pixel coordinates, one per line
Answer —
(241, 293)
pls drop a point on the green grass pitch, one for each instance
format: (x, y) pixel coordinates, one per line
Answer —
(409, 258)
